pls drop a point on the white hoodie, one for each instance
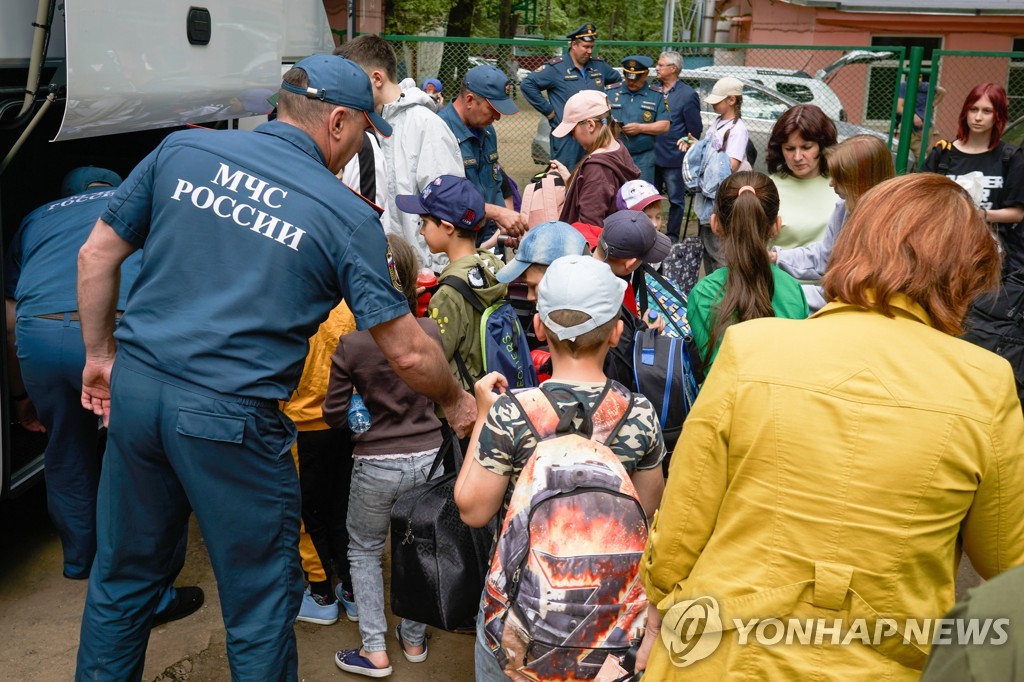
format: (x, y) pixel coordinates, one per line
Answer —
(421, 147)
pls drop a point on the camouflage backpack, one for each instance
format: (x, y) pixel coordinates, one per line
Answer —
(563, 591)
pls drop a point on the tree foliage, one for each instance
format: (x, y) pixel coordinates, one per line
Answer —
(633, 20)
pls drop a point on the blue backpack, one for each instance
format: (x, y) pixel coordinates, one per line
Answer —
(502, 340)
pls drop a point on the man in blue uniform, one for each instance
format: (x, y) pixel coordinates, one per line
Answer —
(250, 241)
(562, 77)
(641, 111)
(484, 99)
(683, 105)
(46, 357)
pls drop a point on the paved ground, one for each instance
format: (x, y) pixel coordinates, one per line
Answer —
(40, 613)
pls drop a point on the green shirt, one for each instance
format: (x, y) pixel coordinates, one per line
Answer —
(788, 301)
(805, 207)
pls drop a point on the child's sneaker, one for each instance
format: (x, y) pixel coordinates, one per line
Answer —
(350, 661)
(348, 601)
(315, 610)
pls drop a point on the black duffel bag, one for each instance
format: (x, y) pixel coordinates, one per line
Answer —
(438, 563)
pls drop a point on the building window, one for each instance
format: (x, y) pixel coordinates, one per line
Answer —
(884, 76)
(1015, 81)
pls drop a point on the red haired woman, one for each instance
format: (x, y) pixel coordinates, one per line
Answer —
(978, 148)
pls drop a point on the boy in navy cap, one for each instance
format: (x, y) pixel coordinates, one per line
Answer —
(453, 213)
(641, 111)
(484, 98)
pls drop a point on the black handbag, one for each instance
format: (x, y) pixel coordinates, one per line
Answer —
(438, 563)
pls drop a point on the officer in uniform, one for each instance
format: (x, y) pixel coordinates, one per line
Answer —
(250, 241)
(485, 97)
(641, 111)
(562, 77)
(46, 360)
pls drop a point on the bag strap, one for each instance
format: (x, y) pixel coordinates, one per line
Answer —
(448, 443)
(464, 370)
(524, 206)
(547, 195)
(944, 146)
(462, 286)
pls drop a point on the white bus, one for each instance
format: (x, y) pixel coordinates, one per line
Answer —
(101, 82)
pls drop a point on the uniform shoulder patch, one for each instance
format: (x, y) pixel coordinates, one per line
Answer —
(597, 59)
(656, 87)
(553, 61)
(613, 86)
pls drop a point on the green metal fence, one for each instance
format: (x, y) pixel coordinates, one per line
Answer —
(860, 95)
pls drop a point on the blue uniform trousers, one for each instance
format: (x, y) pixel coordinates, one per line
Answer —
(51, 355)
(675, 190)
(645, 162)
(174, 447)
(566, 150)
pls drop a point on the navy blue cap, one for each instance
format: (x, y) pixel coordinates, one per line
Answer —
(631, 234)
(636, 65)
(79, 179)
(492, 84)
(451, 198)
(586, 33)
(341, 82)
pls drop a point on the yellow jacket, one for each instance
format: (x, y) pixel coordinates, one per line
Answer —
(826, 472)
(305, 407)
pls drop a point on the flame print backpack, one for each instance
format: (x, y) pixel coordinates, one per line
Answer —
(563, 591)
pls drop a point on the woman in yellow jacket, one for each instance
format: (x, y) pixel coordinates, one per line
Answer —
(832, 469)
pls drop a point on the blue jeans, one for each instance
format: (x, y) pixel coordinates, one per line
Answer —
(173, 447)
(675, 190)
(376, 485)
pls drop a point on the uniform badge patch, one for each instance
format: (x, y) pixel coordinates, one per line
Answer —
(393, 269)
(648, 116)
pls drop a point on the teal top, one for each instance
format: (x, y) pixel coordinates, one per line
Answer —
(788, 301)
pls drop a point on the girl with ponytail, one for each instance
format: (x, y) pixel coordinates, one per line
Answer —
(746, 219)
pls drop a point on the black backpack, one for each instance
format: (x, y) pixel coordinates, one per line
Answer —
(996, 322)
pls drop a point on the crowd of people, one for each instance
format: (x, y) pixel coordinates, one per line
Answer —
(241, 314)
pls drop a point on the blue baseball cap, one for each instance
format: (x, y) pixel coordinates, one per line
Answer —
(341, 82)
(436, 83)
(451, 198)
(542, 245)
(492, 84)
(79, 179)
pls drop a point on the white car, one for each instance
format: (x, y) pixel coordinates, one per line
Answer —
(762, 106)
(801, 86)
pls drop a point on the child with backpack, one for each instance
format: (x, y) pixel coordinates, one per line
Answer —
(478, 326)
(746, 219)
(727, 134)
(391, 457)
(572, 470)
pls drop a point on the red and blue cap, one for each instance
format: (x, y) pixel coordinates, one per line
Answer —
(341, 82)
(451, 198)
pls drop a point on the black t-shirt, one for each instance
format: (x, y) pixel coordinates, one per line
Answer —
(1004, 187)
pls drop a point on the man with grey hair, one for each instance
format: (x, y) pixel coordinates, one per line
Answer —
(684, 121)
